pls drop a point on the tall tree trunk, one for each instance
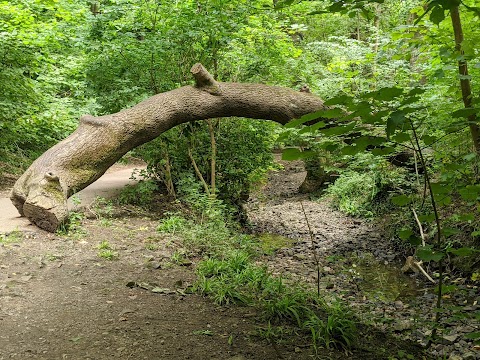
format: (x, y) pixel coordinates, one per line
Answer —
(464, 80)
(41, 192)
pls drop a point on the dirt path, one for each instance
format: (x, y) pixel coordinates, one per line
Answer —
(60, 298)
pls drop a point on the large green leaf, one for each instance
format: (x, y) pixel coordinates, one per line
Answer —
(305, 118)
(395, 120)
(339, 100)
(437, 15)
(405, 234)
(338, 130)
(470, 192)
(295, 154)
(464, 113)
(401, 200)
(464, 251)
(385, 94)
(312, 128)
(427, 254)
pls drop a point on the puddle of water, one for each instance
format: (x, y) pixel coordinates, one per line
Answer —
(385, 282)
(271, 242)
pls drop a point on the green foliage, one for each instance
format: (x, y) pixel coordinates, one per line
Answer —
(106, 251)
(353, 193)
(13, 237)
(243, 155)
(337, 331)
(73, 225)
(140, 193)
(172, 224)
(365, 182)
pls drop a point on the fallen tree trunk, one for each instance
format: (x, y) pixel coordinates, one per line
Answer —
(41, 193)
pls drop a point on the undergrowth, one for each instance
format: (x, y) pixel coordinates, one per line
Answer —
(228, 274)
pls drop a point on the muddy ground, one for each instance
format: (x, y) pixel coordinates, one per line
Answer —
(61, 298)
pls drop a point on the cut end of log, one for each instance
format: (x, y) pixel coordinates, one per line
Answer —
(46, 219)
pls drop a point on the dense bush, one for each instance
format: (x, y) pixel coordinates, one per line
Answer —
(244, 154)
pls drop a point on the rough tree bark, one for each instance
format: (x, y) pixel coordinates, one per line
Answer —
(41, 193)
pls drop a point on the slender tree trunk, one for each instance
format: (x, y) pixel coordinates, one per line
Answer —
(213, 159)
(464, 80)
(198, 172)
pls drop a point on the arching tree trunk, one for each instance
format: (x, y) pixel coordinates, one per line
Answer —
(41, 193)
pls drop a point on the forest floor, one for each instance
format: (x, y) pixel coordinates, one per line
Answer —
(62, 298)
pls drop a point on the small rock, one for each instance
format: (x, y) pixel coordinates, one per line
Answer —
(328, 270)
(455, 357)
(398, 304)
(450, 339)
(469, 356)
(403, 325)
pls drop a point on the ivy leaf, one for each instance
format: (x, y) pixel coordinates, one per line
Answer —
(401, 200)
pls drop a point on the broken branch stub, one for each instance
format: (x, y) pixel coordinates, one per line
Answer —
(41, 193)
